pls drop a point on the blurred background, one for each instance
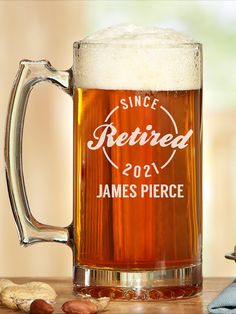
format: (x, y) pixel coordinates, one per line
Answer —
(47, 29)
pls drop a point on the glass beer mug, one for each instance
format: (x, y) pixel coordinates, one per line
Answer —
(137, 214)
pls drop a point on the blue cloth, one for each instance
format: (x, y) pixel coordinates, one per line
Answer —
(225, 302)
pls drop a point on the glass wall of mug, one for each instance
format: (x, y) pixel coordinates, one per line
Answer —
(137, 170)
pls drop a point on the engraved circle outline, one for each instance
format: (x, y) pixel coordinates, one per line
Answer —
(176, 132)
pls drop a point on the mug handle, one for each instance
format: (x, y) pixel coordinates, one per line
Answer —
(29, 74)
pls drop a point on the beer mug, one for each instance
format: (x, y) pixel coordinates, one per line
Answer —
(137, 211)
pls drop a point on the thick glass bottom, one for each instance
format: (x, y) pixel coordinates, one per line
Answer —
(173, 283)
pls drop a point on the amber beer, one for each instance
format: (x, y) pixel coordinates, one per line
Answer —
(124, 218)
(137, 178)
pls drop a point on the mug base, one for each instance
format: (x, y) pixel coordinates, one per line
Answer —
(164, 284)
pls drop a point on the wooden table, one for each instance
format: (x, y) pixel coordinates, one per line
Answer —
(197, 305)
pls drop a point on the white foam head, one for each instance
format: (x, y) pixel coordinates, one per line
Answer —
(131, 57)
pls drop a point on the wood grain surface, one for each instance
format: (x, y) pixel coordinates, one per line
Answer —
(196, 305)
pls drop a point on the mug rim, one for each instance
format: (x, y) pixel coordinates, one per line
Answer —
(77, 44)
